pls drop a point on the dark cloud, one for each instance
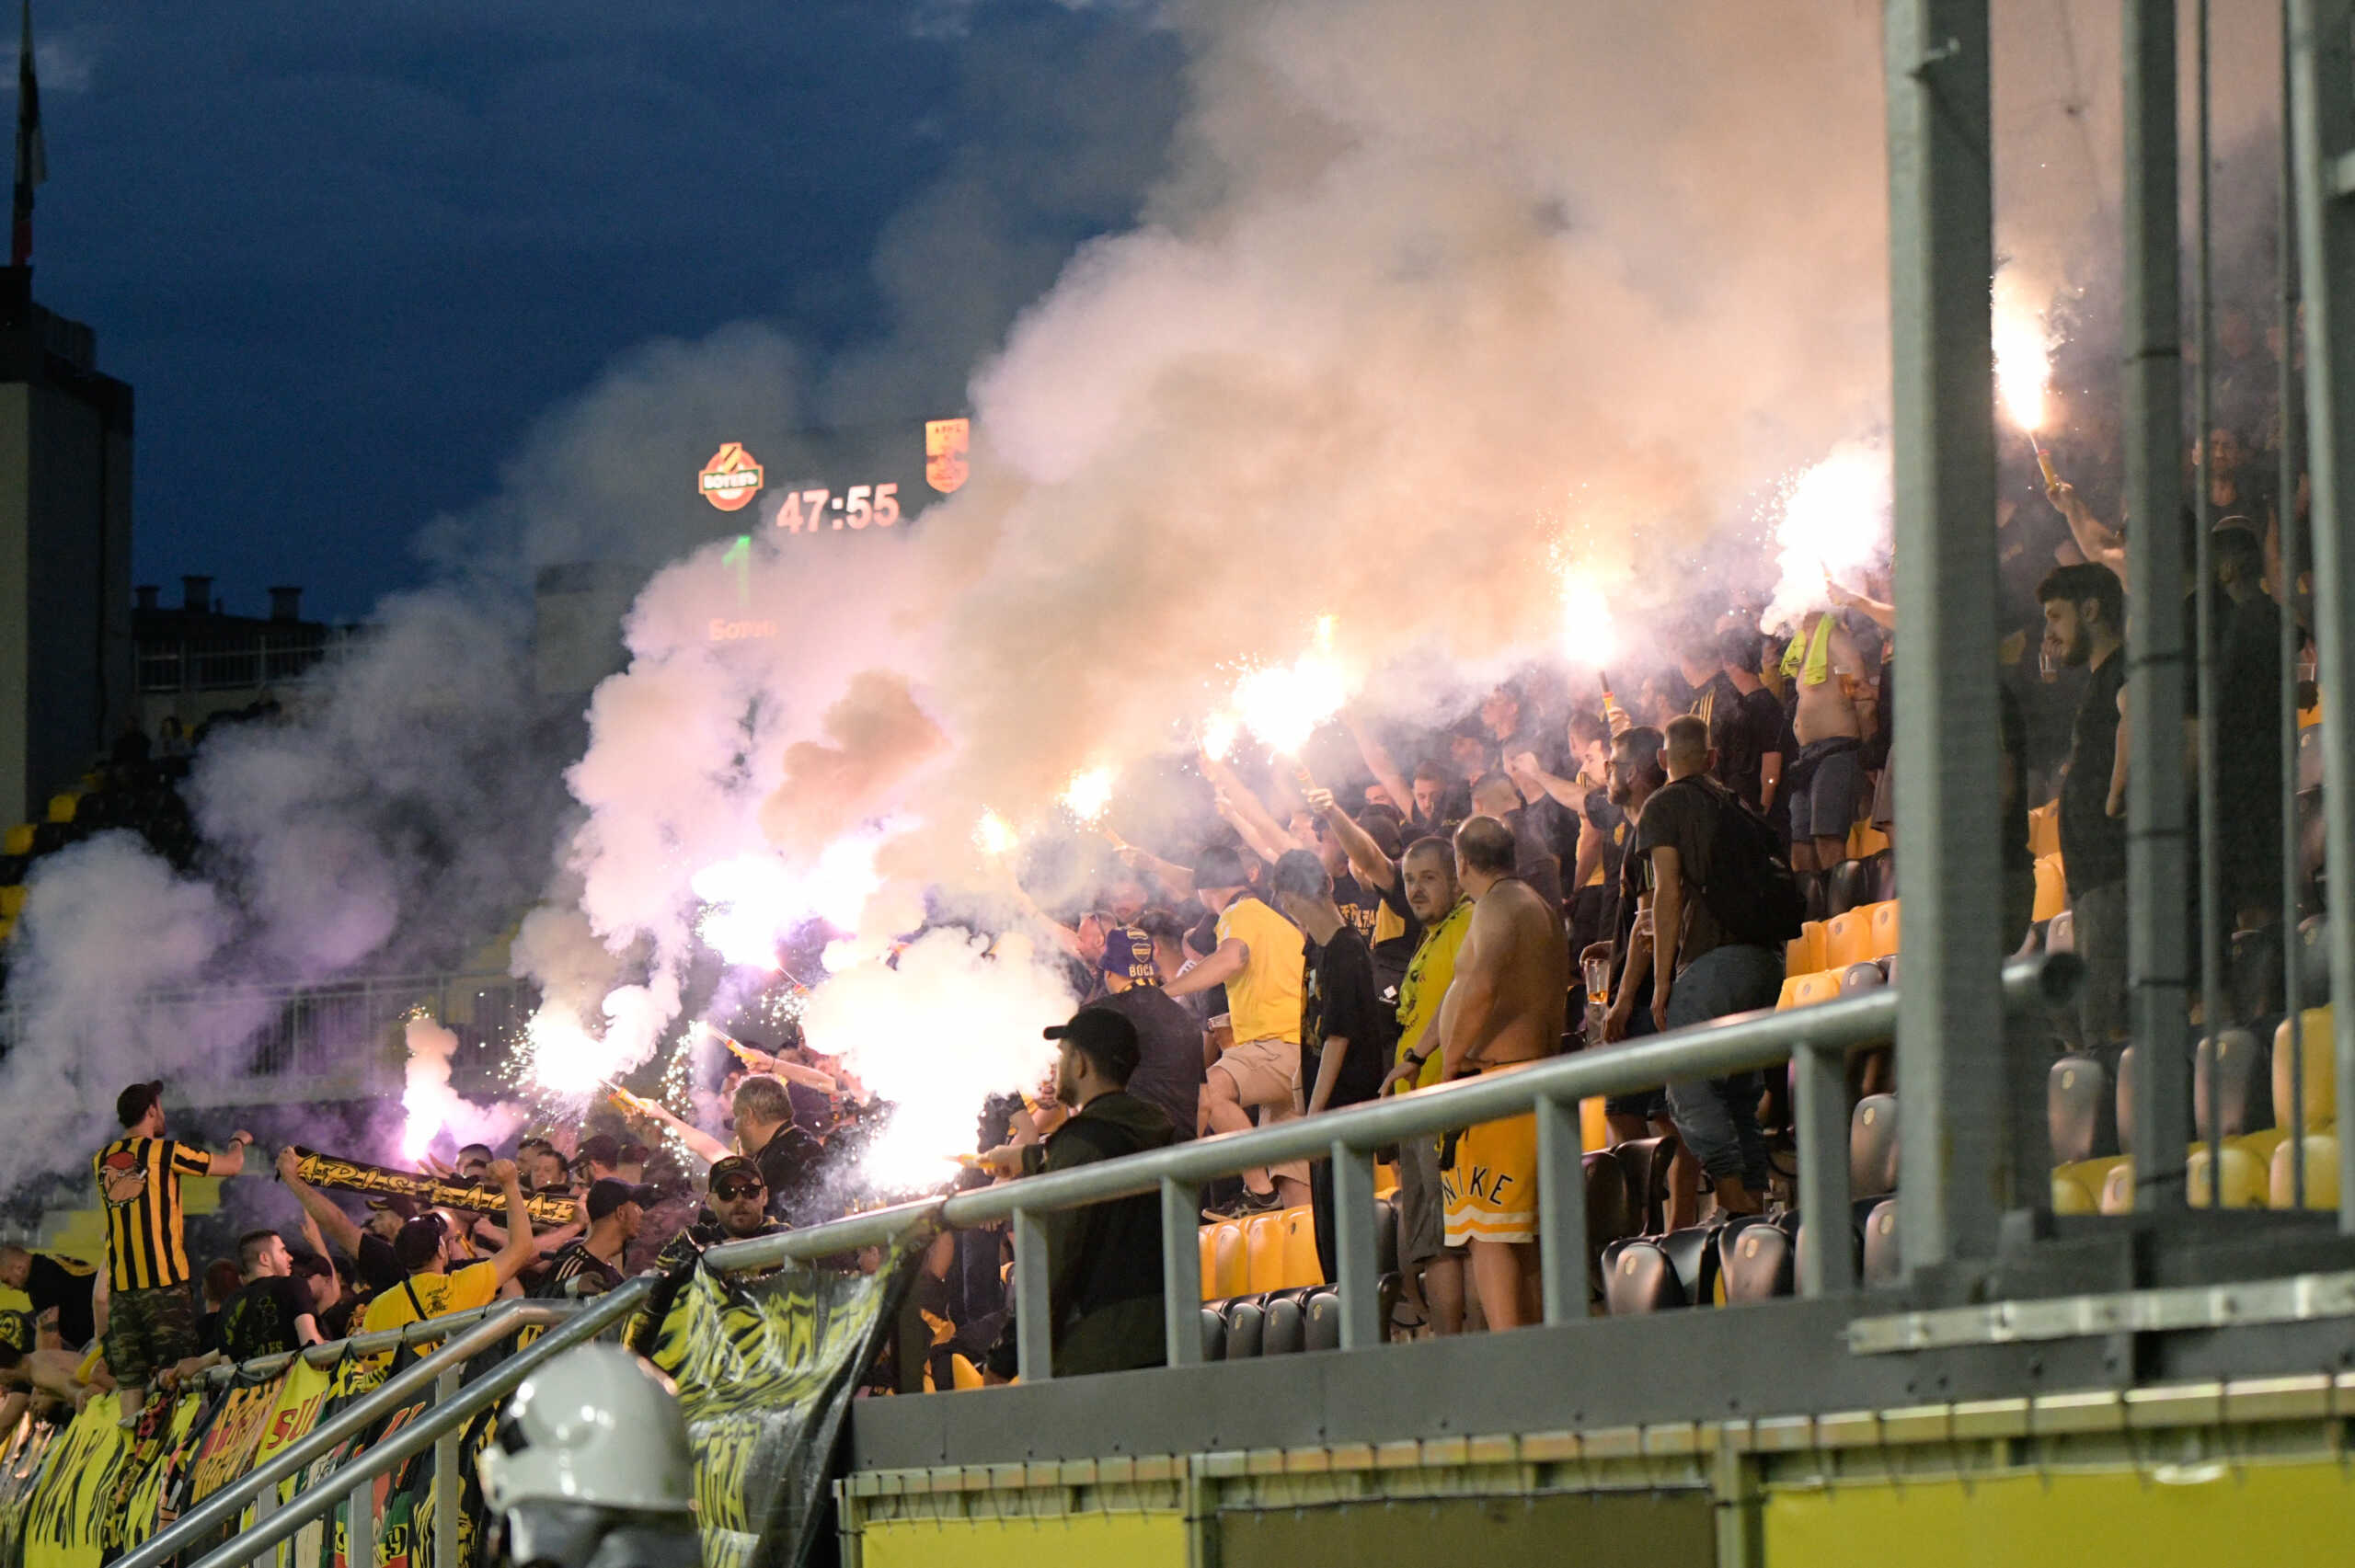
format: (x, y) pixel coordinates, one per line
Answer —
(349, 255)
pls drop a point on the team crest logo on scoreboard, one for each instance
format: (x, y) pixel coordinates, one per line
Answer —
(944, 442)
(731, 478)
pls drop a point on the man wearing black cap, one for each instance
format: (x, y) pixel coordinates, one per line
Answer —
(737, 1201)
(1103, 1261)
(151, 1323)
(593, 1264)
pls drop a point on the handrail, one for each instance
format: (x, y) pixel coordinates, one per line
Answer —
(490, 1326)
(1552, 1088)
(327, 1352)
(453, 1407)
(1824, 1033)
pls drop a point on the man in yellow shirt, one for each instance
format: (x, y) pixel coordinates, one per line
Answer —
(1427, 875)
(1260, 959)
(423, 1251)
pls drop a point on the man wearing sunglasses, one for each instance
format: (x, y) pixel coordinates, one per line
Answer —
(736, 1209)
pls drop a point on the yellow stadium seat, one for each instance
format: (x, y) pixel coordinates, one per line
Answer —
(1848, 939)
(1806, 991)
(2322, 1173)
(1300, 1265)
(2309, 718)
(7, 927)
(1864, 840)
(2247, 1182)
(1804, 955)
(1385, 1179)
(12, 899)
(19, 839)
(2044, 830)
(2262, 1142)
(1263, 1252)
(2052, 888)
(1594, 1129)
(2321, 1074)
(1882, 921)
(1228, 1270)
(63, 805)
(2118, 1189)
(2070, 1196)
(1209, 1261)
(962, 1373)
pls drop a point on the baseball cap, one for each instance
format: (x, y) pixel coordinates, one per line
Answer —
(730, 1166)
(134, 1101)
(1128, 952)
(394, 1203)
(1105, 1037)
(606, 1196)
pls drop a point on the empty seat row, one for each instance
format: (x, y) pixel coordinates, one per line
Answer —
(1280, 1322)
(1858, 935)
(1274, 1251)
(2259, 1171)
(1748, 1258)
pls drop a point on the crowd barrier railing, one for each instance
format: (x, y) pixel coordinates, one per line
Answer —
(467, 1335)
(1820, 1037)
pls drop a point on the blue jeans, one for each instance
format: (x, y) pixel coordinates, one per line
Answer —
(1717, 1118)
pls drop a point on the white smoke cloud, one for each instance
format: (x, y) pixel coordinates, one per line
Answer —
(949, 1024)
(434, 1110)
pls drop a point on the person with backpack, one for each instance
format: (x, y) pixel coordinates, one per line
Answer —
(1723, 904)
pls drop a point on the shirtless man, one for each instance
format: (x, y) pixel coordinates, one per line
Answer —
(1834, 714)
(1504, 1010)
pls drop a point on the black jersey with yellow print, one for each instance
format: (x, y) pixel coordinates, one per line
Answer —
(139, 1182)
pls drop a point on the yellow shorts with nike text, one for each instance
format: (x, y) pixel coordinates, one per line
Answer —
(1491, 1188)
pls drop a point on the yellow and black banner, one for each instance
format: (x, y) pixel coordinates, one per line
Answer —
(334, 1172)
(766, 1369)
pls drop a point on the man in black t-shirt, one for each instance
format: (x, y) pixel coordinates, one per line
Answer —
(1345, 1031)
(57, 1286)
(2085, 620)
(2248, 731)
(1757, 777)
(1170, 1073)
(273, 1311)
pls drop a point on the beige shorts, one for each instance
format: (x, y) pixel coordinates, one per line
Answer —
(1267, 1078)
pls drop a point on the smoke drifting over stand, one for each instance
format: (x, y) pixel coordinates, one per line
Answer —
(1459, 331)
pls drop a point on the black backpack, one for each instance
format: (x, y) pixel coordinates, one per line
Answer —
(1752, 889)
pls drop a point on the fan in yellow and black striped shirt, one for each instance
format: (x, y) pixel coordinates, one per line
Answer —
(138, 1180)
(139, 1183)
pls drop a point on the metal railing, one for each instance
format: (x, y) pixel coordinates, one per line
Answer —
(1820, 1037)
(464, 1335)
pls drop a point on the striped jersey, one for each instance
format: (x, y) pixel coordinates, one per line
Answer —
(139, 1183)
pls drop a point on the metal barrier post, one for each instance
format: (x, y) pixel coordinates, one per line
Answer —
(1181, 1271)
(1034, 1314)
(1821, 1109)
(1360, 1285)
(265, 1505)
(447, 1487)
(2321, 119)
(359, 1522)
(364, 1467)
(1562, 1240)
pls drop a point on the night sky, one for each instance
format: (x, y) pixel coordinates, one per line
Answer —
(370, 244)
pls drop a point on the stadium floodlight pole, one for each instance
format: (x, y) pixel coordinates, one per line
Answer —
(2322, 126)
(2157, 883)
(1961, 1161)
(2292, 400)
(2203, 575)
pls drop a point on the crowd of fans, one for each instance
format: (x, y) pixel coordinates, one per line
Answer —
(1567, 868)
